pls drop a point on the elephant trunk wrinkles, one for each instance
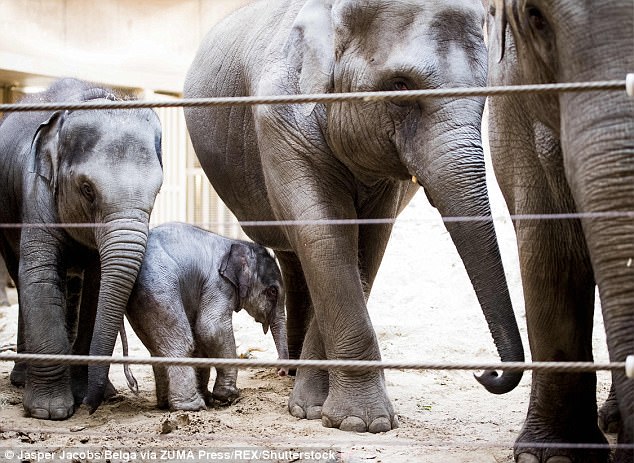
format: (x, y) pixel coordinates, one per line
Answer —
(121, 250)
(599, 162)
(278, 330)
(455, 182)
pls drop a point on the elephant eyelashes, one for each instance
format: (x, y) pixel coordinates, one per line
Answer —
(400, 85)
(87, 191)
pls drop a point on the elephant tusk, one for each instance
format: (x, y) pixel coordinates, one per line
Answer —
(414, 180)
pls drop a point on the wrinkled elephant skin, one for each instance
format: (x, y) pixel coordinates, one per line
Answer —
(101, 168)
(190, 284)
(561, 154)
(313, 163)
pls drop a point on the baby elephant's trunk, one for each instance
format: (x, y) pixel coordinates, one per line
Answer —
(278, 330)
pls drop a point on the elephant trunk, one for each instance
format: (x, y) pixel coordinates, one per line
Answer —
(599, 163)
(121, 249)
(455, 182)
(278, 330)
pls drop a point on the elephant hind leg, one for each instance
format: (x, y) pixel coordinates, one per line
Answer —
(298, 303)
(609, 414)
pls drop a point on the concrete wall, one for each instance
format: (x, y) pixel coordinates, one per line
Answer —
(145, 44)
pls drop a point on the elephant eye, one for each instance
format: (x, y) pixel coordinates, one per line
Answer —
(87, 191)
(271, 292)
(400, 85)
(536, 18)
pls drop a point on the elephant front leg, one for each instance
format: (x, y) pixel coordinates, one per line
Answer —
(47, 393)
(356, 401)
(559, 296)
(214, 337)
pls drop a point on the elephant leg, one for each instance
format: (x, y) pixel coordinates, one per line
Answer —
(559, 297)
(47, 391)
(298, 303)
(81, 312)
(202, 378)
(18, 373)
(74, 284)
(311, 385)
(609, 413)
(183, 391)
(161, 384)
(214, 338)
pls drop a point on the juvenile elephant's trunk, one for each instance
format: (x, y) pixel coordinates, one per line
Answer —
(455, 182)
(278, 330)
(121, 249)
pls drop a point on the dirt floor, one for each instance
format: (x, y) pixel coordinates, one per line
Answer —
(423, 309)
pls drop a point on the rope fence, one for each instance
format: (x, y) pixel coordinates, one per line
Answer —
(351, 365)
(405, 95)
(379, 221)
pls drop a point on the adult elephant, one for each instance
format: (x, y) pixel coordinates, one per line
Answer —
(99, 168)
(317, 163)
(568, 153)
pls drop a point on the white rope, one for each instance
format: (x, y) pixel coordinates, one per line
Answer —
(349, 365)
(407, 95)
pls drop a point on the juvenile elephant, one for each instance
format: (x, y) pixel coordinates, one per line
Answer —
(98, 168)
(562, 154)
(310, 164)
(190, 284)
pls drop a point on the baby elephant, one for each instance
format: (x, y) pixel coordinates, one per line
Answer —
(190, 283)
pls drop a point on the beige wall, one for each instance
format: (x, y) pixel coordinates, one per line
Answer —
(143, 45)
(124, 43)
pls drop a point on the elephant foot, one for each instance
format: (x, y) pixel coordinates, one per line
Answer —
(358, 403)
(18, 374)
(309, 394)
(610, 416)
(574, 434)
(195, 404)
(225, 393)
(110, 391)
(49, 400)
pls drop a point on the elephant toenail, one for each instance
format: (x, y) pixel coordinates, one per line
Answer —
(354, 424)
(297, 411)
(381, 424)
(527, 458)
(313, 413)
(39, 413)
(325, 422)
(395, 422)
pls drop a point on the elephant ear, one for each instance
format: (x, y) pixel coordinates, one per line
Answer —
(238, 266)
(497, 36)
(310, 47)
(45, 148)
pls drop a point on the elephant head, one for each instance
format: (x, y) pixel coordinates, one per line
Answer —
(258, 282)
(360, 46)
(104, 170)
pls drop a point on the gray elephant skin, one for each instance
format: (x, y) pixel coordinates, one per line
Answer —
(312, 163)
(190, 284)
(560, 154)
(98, 168)
(5, 282)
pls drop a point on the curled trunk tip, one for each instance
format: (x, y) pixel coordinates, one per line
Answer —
(496, 384)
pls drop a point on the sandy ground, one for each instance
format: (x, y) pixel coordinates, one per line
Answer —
(423, 309)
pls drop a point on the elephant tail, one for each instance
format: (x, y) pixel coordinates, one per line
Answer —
(131, 380)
